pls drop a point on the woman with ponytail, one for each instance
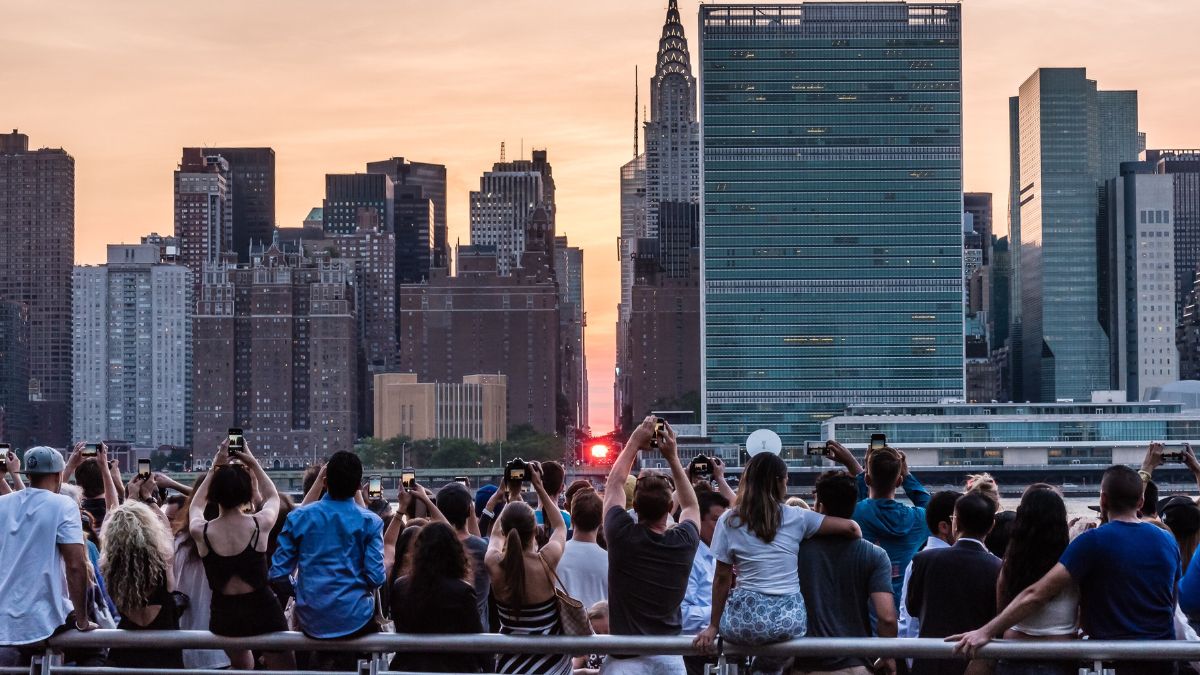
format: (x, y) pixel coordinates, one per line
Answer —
(521, 579)
(136, 561)
(762, 536)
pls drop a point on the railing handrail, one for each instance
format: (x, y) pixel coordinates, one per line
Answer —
(1084, 650)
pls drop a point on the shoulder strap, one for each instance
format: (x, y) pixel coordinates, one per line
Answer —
(555, 582)
(208, 545)
(254, 538)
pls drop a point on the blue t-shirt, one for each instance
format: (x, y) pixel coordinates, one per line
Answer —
(1127, 574)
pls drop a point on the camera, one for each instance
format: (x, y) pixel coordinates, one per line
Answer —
(878, 441)
(701, 466)
(815, 447)
(516, 471)
(408, 478)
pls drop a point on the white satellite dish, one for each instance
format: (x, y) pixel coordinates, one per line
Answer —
(763, 440)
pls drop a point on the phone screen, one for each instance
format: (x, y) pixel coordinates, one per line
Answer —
(516, 474)
(236, 440)
(407, 478)
(90, 450)
(143, 467)
(375, 487)
(815, 447)
(464, 480)
(878, 441)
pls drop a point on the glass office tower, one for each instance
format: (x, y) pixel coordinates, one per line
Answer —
(832, 211)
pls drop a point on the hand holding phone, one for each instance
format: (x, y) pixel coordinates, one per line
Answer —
(815, 448)
(90, 450)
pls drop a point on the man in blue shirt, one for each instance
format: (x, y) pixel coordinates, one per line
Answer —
(697, 601)
(335, 548)
(1127, 572)
(899, 529)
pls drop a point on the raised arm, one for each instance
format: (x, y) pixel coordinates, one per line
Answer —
(913, 489)
(422, 497)
(196, 519)
(318, 486)
(269, 513)
(111, 499)
(718, 468)
(840, 454)
(614, 487)
(114, 472)
(688, 503)
(14, 467)
(553, 549)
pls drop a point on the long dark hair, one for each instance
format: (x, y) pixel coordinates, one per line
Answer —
(760, 496)
(518, 524)
(437, 554)
(1039, 537)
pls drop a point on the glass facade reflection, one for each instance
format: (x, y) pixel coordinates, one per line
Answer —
(832, 211)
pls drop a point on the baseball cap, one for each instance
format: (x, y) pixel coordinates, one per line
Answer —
(1181, 514)
(42, 459)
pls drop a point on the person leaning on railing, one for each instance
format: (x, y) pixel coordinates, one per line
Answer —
(1126, 571)
(43, 561)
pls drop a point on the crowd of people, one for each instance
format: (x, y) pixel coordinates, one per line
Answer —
(657, 554)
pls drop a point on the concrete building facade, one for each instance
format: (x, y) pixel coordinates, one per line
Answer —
(275, 354)
(203, 209)
(476, 408)
(132, 349)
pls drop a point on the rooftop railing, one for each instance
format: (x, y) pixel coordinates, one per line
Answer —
(1092, 652)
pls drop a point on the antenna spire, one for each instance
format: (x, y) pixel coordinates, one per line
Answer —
(635, 111)
(501, 151)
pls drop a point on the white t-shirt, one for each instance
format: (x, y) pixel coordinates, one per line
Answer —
(35, 603)
(762, 567)
(584, 572)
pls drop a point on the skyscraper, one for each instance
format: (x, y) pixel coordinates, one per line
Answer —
(832, 211)
(1184, 168)
(37, 251)
(355, 201)
(275, 354)
(572, 318)
(132, 349)
(413, 221)
(203, 209)
(431, 178)
(502, 208)
(14, 373)
(252, 186)
(660, 236)
(672, 134)
(1070, 138)
(1138, 245)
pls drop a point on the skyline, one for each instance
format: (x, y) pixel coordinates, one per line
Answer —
(337, 92)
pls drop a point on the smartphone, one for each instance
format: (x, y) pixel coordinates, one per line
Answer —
(407, 478)
(4, 450)
(462, 479)
(375, 487)
(878, 441)
(815, 447)
(143, 467)
(659, 423)
(90, 450)
(1175, 455)
(237, 442)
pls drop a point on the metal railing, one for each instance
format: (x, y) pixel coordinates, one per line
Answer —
(1091, 651)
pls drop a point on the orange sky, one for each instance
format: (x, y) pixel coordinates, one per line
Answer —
(124, 84)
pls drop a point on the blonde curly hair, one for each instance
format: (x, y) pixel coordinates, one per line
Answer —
(135, 554)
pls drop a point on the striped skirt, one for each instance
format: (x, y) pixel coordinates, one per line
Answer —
(540, 619)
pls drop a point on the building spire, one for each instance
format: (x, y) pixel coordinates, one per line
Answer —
(635, 111)
(673, 56)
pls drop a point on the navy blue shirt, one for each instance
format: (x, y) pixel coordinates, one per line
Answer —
(336, 546)
(1127, 575)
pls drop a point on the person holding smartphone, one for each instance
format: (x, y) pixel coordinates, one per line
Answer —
(89, 464)
(233, 549)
